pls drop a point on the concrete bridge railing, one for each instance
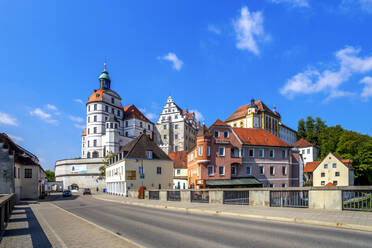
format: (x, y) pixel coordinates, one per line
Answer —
(7, 203)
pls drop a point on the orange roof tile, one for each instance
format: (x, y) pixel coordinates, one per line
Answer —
(302, 143)
(259, 137)
(243, 111)
(131, 111)
(311, 166)
(85, 132)
(218, 122)
(179, 159)
(97, 96)
(330, 184)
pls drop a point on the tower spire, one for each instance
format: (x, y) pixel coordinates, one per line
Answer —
(104, 79)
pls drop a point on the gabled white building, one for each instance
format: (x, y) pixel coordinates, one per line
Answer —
(308, 151)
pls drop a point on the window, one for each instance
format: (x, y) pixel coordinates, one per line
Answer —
(176, 136)
(95, 106)
(178, 171)
(248, 170)
(141, 124)
(233, 170)
(272, 153)
(176, 148)
(210, 170)
(308, 150)
(94, 143)
(148, 127)
(200, 149)
(158, 170)
(271, 185)
(335, 182)
(118, 112)
(272, 170)
(111, 125)
(106, 108)
(126, 123)
(284, 170)
(322, 174)
(88, 119)
(165, 127)
(113, 111)
(89, 108)
(325, 166)
(241, 124)
(221, 170)
(262, 170)
(94, 130)
(88, 143)
(251, 152)
(165, 136)
(19, 173)
(261, 153)
(283, 185)
(334, 165)
(28, 173)
(284, 154)
(95, 118)
(126, 134)
(216, 134)
(226, 134)
(15, 172)
(176, 126)
(208, 150)
(116, 125)
(112, 100)
(221, 151)
(149, 154)
(337, 173)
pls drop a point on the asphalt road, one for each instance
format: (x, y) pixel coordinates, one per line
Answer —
(152, 227)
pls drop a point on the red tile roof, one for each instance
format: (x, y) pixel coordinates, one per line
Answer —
(311, 166)
(97, 96)
(259, 137)
(243, 111)
(218, 122)
(131, 111)
(85, 132)
(179, 159)
(302, 143)
(330, 184)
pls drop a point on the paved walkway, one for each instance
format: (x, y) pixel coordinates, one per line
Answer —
(355, 220)
(43, 224)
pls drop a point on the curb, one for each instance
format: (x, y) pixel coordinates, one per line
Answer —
(252, 216)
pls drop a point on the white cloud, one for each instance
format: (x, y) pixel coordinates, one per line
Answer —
(51, 107)
(150, 116)
(43, 115)
(76, 118)
(172, 57)
(293, 3)
(328, 81)
(214, 29)
(198, 116)
(352, 5)
(7, 119)
(79, 101)
(249, 29)
(367, 90)
(16, 138)
(79, 126)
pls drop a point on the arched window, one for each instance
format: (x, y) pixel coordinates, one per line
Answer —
(88, 155)
(95, 154)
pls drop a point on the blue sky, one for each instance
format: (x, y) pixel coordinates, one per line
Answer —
(307, 57)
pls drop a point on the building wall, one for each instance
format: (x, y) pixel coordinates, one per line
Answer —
(329, 173)
(7, 170)
(28, 188)
(309, 154)
(287, 134)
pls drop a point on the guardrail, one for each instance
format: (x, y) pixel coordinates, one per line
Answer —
(357, 200)
(286, 198)
(7, 203)
(154, 195)
(200, 196)
(173, 196)
(236, 197)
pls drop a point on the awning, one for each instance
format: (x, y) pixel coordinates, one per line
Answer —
(233, 182)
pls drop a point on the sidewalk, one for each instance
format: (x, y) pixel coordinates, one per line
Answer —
(354, 220)
(42, 224)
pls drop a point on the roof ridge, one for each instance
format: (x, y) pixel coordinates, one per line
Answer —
(134, 144)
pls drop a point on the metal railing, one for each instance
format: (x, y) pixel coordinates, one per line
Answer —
(236, 197)
(154, 195)
(357, 200)
(286, 198)
(7, 203)
(199, 196)
(173, 196)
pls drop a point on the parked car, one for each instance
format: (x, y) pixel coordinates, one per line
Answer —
(67, 193)
(87, 192)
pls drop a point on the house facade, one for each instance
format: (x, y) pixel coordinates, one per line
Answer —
(332, 170)
(180, 169)
(258, 115)
(308, 151)
(140, 162)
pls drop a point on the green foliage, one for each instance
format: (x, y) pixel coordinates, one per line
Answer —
(347, 144)
(106, 161)
(49, 175)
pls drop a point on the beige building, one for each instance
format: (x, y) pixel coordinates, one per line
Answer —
(140, 162)
(180, 169)
(331, 171)
(258, 115)
(176, 129)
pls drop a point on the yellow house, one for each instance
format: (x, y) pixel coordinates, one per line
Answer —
(331, 171)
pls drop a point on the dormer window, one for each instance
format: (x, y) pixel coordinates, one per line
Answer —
(149, 154)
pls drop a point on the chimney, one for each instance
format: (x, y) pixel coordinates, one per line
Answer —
(252, 101)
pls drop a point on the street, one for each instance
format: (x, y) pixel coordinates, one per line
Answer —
(152, 227)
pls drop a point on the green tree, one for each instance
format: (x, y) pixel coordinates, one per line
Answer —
(301, 131)
(49, 175)
(328, 140)
(106, 161)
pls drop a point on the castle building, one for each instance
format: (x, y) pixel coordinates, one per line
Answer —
(258, 115)
(109, 127)
(176, 129)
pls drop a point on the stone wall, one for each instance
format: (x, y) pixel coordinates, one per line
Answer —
(6, 171)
